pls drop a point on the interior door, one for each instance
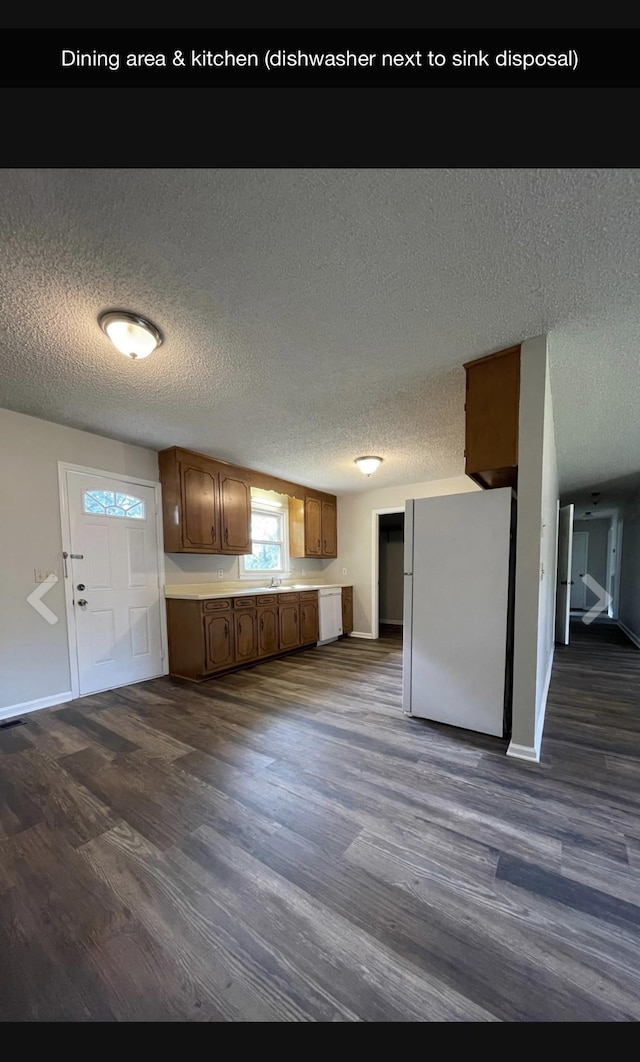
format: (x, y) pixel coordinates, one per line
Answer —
(563, 589)
(113, 563)
(579, 558)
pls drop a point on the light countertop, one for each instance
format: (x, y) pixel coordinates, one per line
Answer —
(205, 591)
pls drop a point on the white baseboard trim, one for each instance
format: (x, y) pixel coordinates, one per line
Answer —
(524, 752)
(360, 634)
(392, 623)
(35, 706)
(532, 752)
(629, 633)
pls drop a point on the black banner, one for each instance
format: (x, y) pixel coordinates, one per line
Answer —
(340, 58)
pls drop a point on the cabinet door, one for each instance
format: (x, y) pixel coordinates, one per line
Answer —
(492, 419)
(268, 631)
(199, 498)
(347, 609)
(289, 625)
(309, 630)
(246, 635)
(235, 514)
(313, 527)
(329, 530)
(218, 641)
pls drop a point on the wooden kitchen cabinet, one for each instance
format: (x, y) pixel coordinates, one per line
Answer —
(224, 634)
(289, 618)
(206, 506)
(218, 641)
(492, 419)
(235, 513)
(313, 528)
(245, 629)
(268, 629)
(309, 619)
(347, 609)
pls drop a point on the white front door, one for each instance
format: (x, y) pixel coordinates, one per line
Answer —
(113, 565)
(563, 589)
(579, 553)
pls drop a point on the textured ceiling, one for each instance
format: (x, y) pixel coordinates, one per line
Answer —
(311, 316)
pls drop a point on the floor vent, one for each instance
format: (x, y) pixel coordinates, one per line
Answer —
(13, 722)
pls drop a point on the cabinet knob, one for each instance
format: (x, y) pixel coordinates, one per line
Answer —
(226, 534)
(213, 533)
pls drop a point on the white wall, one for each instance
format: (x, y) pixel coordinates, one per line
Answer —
(629, 579)
(355, 530)
(184, 568)
(34, 656)
(598, 532)
(391, 561)
(536, 551)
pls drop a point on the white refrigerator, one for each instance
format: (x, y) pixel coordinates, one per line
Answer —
(459, 556)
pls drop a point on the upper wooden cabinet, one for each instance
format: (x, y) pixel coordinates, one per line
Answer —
(313, 526)
(206, 505)
(492, 418)
(235, 513)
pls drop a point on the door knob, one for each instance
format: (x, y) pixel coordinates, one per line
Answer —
(81, 601)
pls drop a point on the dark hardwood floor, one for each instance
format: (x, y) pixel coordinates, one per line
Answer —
(283, 844)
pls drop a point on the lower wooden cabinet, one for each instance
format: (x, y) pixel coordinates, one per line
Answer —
(347, 609)
(245, 627)
(289, 611)
(221, 634)
(268, 630)
(309, 621)
(218, 641)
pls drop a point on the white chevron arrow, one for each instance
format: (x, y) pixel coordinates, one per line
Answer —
(603, 602)
(35, 599)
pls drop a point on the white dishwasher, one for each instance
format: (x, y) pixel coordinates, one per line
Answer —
(330, 614)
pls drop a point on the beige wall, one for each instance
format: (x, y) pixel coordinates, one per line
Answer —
(355, 530)
(34, 656)
(536, 551)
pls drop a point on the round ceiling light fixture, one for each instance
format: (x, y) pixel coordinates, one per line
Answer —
(368, 465)
(131, 334)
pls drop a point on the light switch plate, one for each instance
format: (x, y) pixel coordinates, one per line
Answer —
(43, 576)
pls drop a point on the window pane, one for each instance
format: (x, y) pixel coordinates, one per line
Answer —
(264, 558)
(266, 526)
(110, 503)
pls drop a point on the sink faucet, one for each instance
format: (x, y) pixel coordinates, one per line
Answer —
(275, 582)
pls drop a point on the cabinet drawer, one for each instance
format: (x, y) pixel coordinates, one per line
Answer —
(244, 602)
(288, 599)
(267, 599)
(309, 595)
(217, 603)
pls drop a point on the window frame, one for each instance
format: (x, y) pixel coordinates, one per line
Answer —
(260, 506)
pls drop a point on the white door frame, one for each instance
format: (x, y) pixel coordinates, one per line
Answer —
(65, 528)
(375, 565)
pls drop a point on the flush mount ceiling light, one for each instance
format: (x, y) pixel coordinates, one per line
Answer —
(131, 334)
(368, 465)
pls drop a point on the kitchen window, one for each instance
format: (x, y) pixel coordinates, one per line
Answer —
(269, 539)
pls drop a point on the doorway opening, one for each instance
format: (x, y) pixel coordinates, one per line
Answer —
(388, 572)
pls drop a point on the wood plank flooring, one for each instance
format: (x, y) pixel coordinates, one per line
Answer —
(283, 844)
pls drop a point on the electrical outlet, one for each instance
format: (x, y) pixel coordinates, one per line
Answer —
(220, 573)
(344, 571)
